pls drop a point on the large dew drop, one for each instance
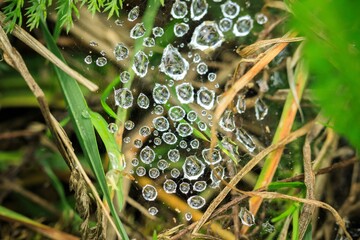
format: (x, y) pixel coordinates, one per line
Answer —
(147, 155)
(205, 98)
(230, 9)
(154, 173)
(121, 52)
(137, 31)
(149, 192)
(169, 138)
(161, 124)
(243, 26)
(185, 93)
(193, 168)
(141, 63)
(169, 186)
(246, 217)
(227, 121)
(198, 9)
(207, 36)
(261, 109)
(123, 98)
(199, 186)
(134, 14)
(174, 155)
(184, 129)
(179, 9)
(143, 101)
(161, 94)
(225, 24)
(212, 159)
(180, 29)
(173, 64)
(196, 202)
(184, 187)
(176, 113)
(244, 138)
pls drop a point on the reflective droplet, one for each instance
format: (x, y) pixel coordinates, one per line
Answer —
(161, 124)
(101, 61)
(268, 227)
(261, 18)
(123, 98)
(154, 173)
(137, 31)
(134, 14)
(126, 139)
(144, 131)
(138, 143)
(176, 113)
(129, 125)
(244, 138)
(214, 158)
(246, 217)
(184, 187)
(143, 101)
(205, 98)
(194, 144)
(198, 9)
(202, 68)
(141, 63)
(191, 116)
(149, 192)
(188, 216)
(153, 211)
(185, 93)
(184, 129)
(241, 104)
(261, 109)
(169, 138)
(225, 24)
(157, 31)
(170, 186)
(118, 22)
(217, 174)
(112, 127)
(193, 168)
(85, 114)
(211, 77)
(199, 186)
(202, 126)
(121, 52)
(88, 59)
(207, 36)
(174, 155)
(158, 109)
(173, 64)
(196, 202)
(227, 121)
(175, 173)
(243, 26)
(183, 144)
(230, 9)
(135, 162)
(197, 58)
(160, 94)
(140, 171)
(147, 155)
(157, 141)
(180, 29)
(179, 9)
(149, 42)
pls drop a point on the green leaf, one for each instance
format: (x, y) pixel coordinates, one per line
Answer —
(277, 185)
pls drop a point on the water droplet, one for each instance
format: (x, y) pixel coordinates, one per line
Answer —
(185, 93)
(88, 59)
(179, 9)
(180, 29)
(101, 61)
(141, 63)
(170, 186)
(227, 121)
(198, 9)
(217, 173)
(197, 58)
(188, 216)
(202, 68)
(123, 98)
(268, 227)
(205, 98)
(194, 144)
(161, 123)
(184, 129)
(119, 22)
(244, 138)
(149, 42)
(243, 26)
(191, 116)
(175, 173)
(137, 31)
(112, 127)
(158, 110)
(149, 192)
(147, 155)
(211, 160)
(153, 211)
(138, 143)
(184, 187)
(211, 77)
(157, 31)
(261, 109)
(261, 18)
(140, 171)
(169, 138)
(126, 139)
(230, 9)
(173, 64)
(183, 144)
(174, 155)
(143, 101)
(93, 43)
(246, 217)
(160, 94)
(85, 114)
(196, 202)
(129, 125)
(202, 126)
(121, 52)
(135, 162)
(134, 14)
(176, 113)
(207, 36)
(225, 24)
(154, 173)
(193, 168)
(199, 186)
(241, 104)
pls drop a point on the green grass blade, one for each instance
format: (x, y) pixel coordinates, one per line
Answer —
(277, 185)
(83, 127)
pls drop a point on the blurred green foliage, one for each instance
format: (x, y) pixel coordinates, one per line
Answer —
(332, 31)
